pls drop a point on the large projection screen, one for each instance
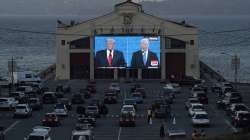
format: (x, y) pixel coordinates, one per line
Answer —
(127, 52)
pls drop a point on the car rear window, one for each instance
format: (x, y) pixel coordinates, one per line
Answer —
(36, 138)
(244, 115)
(20, 107)
(3, 100)
(201, 116)
(92, 108)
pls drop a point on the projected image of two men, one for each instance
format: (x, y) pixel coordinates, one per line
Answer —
(127, 52)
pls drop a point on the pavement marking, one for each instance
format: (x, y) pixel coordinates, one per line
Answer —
(119, 133)
(11, 127)
(235, 130)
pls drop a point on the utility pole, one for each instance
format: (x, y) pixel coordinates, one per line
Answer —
(12, 73)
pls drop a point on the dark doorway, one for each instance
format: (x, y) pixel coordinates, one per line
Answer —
(175, 65)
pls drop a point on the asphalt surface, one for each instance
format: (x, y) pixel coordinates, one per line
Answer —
(107, 127)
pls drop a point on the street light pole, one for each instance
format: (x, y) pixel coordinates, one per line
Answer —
(12, 73)
(235, 64)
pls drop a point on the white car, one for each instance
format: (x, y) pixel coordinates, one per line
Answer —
(115, 86)
(194, 108)
(23, 110)
(60, 110)
(82, 134)
(8, 103)
(128, 109)
(39, 133)
(200, 118)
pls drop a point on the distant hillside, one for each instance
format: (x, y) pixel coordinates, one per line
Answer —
(199, 7)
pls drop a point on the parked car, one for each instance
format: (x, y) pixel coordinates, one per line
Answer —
(49, 98)
(202, 96)
(226, 101)
(130, 101)
(24, 89)
(86, 93)
(191, 100)
(60, 110)
(51, 119)
(235, 95)
(39, 133)
(200, 118)
(128, 109)
(138, 97)
(59, 94)
(142, 91)
(8, 103)
(157, 103)
(93, 111)
(194, 108)
(127, 119)
(110, 98)
(82, 132)
(236, 107)
(66, 102)
(241, 119)
(91, 121)
(77, 99)
(22, 110)
(115, 86)
(35, 103)
(17, 95)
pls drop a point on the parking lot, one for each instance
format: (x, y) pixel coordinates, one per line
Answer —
(107, 127)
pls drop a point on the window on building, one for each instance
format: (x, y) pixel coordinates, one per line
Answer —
(63, 42)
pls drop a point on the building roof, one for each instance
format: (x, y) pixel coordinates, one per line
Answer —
(137, 5)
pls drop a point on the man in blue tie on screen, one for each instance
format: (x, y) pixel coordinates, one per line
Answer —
(110, 57)
(144, 58)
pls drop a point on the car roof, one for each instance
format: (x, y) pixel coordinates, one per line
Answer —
(201, 112)
(242, 112)
(49, 92)
(22, 105)
(196, 104)
(128, 106)
(81, 132)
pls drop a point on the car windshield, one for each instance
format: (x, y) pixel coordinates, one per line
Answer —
(3, 100)
(50, 116)
(59, 106)
(198, 107)
(36, 138)
(20, 107)
(79, 137)
(92, 108)
(20, 89)
(244, 115)
(129, 102)
(128, 109)
(33, 101)
(201, 116)
(136, 95)
(241, 108)
(194, 101)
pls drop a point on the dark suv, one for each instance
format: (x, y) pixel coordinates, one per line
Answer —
(49, 98)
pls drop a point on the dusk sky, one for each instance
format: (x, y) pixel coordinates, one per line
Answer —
(80, 7)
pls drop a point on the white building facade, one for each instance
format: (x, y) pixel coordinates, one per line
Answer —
(75, 45)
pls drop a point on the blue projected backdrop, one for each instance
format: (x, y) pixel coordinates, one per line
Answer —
(127, 45)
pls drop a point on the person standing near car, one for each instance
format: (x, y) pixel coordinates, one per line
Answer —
(162, 131)
(149, 115)
(2, 137)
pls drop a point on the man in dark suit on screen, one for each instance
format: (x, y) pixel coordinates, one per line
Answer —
(110, 57)
(144, 58)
